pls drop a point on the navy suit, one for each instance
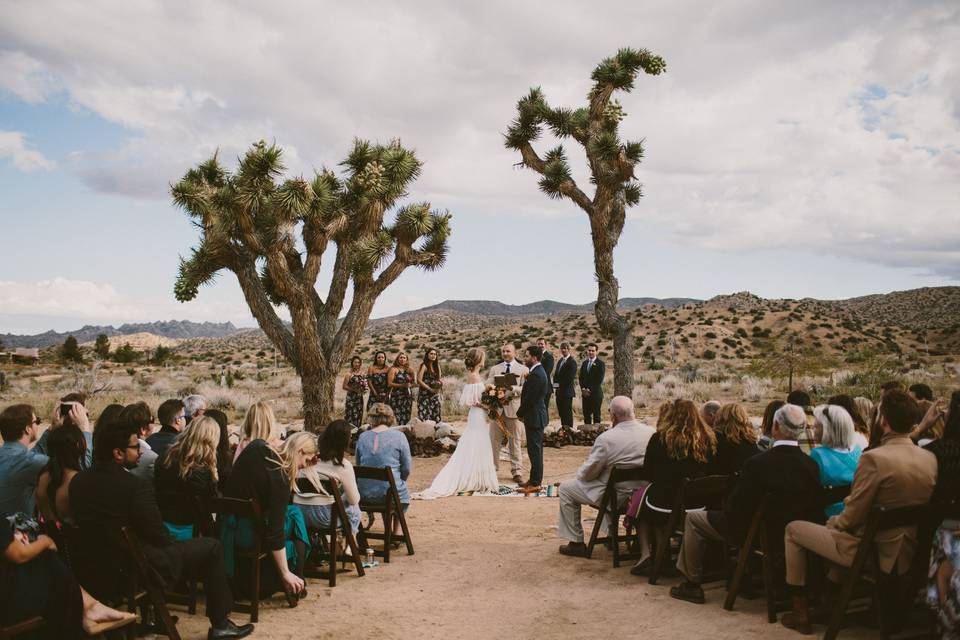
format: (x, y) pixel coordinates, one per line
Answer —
(566, 378)
(547, 363)
(592, 380)
(533, 412)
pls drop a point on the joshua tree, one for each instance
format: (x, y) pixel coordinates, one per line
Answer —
(274, 236)
(611, 162)
(102, 346)
(70, 351)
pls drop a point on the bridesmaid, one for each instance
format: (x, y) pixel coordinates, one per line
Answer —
(400, 380)
(377, 377)
(428, 379)
(355, 384)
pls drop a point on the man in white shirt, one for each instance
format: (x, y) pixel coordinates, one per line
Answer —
(625, 444)
(515, 431)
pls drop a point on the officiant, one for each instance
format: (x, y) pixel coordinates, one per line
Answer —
(514, 427)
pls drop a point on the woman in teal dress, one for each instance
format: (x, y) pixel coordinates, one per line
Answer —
(838, 454)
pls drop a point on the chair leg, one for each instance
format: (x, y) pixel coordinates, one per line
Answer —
(663, 551)
(768, 589)
(615, 536)
(742, 557)
(403, 524)
(387, 531)
(161, 611)
(595, 534)
(840, 606)
(192, 603)
(255, 591)
(355, 550)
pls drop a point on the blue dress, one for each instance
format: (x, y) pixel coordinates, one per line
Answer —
(836, 469)
(384, 449)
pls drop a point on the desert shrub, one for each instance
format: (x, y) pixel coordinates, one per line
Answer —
(709, 354)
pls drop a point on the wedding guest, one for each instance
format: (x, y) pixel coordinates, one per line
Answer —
(736, 438)
(565, 381)
(355, 384)
(921, 391)
(592, 372)
(20, 464)
(67, 448)
(625, 444)
(896, 473)
(332, 463)
(930, 424)
(866, 410)
(684, 448)
(173, 419)
(861, 430)
(381, 447)
(401, 380)
(802, 399)
(547, 363)
(188, 472)
(709, 411)
(224, 454)
(110, 413)
(377, 377)
(429, 395)
(71, 410)
(258, 473)
(766, 427)
(194, 406)
(784, 473)
(139, 415)
(839, 452)
(258, 424)
(663, 415)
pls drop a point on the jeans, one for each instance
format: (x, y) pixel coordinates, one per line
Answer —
(318, 516)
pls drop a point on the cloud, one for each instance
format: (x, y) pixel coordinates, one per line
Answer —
(824, 125)
(14, 146)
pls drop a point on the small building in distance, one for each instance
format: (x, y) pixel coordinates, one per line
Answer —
(20, 354)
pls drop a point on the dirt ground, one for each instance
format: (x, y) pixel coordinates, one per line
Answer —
(488, 567)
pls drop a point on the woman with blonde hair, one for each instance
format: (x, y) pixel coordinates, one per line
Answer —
(188, 471)
(736, 438)
(401, 379)
(685, 448)
(258, 424)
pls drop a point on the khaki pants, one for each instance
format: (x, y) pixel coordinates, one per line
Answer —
(515, 436)
(801, 537)
(697, 531)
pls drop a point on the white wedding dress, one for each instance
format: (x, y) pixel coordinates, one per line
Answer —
(470, 468)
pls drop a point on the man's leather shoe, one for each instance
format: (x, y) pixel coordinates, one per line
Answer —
(519, 480)
(229, 631)
(575, 549)
(688, 591)
(532, 488)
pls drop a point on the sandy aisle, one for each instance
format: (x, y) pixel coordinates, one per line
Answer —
(489, 568)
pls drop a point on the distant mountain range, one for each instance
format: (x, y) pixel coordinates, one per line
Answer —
(168, 329)
(492, 308)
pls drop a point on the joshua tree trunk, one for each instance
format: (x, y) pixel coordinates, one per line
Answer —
(612, 324)
(317, 392)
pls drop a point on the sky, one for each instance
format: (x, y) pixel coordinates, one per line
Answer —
(792, 149)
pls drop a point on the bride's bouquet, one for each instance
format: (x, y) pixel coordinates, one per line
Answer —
(493, 399)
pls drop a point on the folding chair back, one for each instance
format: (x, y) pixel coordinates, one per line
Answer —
(145, 577)
(611, 508)
(254, 554)
(20, 628)
(755, 542)
(390, 509)
(338, 520)
(833, 495)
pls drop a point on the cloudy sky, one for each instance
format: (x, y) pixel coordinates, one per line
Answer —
(792, 149)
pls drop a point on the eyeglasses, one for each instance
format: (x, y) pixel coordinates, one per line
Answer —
(182, 416)
(132, 446)
(36, 420)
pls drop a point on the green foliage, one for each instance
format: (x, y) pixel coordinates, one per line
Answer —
(70, 351)
(102, 346)
(709, 354)
(125, 354)
(161, 355)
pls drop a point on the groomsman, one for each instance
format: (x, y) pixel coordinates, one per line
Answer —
(592, 372)
(565, 380)
(547, 364)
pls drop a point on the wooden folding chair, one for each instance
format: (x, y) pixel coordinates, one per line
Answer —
(145, 576)
(18, 629)
(391, 508)
(338, 519)
(708, 490)
(202, 526)
(253, 554)
(880, 519)
(612, 507)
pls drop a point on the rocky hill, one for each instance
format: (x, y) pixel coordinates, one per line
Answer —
(175, 329)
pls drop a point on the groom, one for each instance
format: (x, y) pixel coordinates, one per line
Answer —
(533, 412)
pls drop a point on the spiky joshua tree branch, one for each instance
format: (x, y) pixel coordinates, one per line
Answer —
(273, 235)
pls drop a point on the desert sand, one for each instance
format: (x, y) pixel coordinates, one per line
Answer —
(488, 567)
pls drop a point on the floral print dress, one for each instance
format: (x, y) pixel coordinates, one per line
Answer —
(378, 389)
(353, 408)
(428, 404)
(401, 400)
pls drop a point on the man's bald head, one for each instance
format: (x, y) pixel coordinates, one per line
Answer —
(621, 409)
(790, 420)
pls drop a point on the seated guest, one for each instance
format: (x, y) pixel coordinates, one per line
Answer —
(140, 415)
(20, 464)
(67, 448)
(866, 410)
(895, 474)
(684, 448)
(625, 444)
(106, 497)
(71, 410)
(783, 471)
(736, 438)
(34, 581)
(194, 406)
(259, 473)
(921, 392)
(663, 415)
(802, 399)
(187, 472)
(930, 424)
(332, 463)
(838, 454)
(861, 430)
(943, 588)
(224, 454)
(258, 424)
(173, 420)
(381, 446)
(109, 414)
(766, 427)
(709, 411)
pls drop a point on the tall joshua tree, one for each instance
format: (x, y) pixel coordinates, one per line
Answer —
(611, 162)
(275, 235)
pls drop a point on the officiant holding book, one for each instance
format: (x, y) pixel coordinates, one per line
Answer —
(515, 435)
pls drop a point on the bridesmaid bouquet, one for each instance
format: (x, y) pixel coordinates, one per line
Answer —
(493, 399)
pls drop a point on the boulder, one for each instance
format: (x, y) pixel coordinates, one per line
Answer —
(444, 430)
(424, 428)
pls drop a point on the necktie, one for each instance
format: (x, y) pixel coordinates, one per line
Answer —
(508, 368)
(589, 365)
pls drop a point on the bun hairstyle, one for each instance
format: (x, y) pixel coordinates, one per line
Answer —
(474, 358)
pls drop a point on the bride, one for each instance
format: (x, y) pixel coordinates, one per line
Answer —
(470, 468)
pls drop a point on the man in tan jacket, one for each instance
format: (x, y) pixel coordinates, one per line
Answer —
(515, 433)
(898, 473)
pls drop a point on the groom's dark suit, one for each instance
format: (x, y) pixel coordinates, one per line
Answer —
(533, 412)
